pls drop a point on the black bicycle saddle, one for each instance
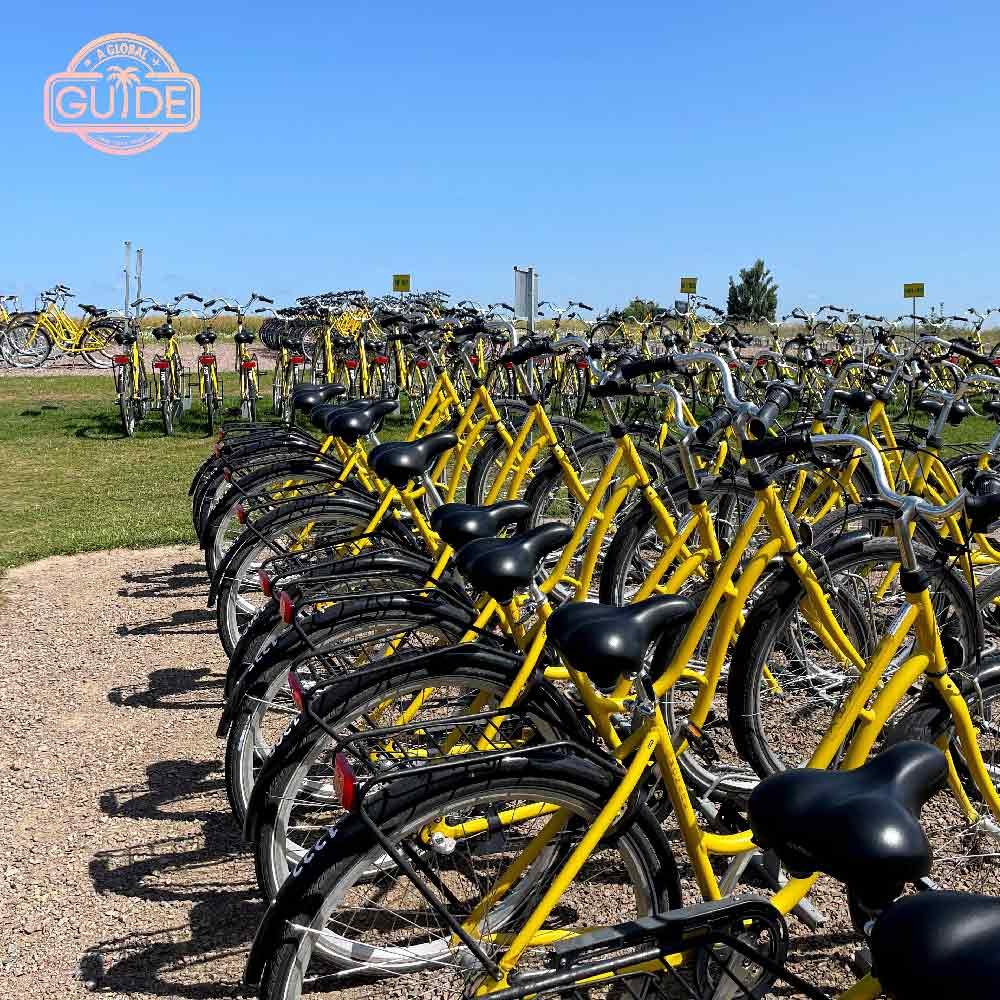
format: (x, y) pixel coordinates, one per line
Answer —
(306, 395)
(859, 826)
(206, 338)
(322, 414)
(461, 523)
(355, 422)
(604, 641)
(938, 944)
(502, 566)
(400, 462)
(244, 337)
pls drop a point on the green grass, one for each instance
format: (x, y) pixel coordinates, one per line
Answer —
(72, 483)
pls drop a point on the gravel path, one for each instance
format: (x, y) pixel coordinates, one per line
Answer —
(122, 869)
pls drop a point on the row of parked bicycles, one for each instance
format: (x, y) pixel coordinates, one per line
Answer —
(507, 694)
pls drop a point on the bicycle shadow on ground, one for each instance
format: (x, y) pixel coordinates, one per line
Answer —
(187, 622)
(201, 957)
(174, 688)
(183, 576)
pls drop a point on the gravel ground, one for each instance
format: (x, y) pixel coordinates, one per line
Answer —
(123, 872)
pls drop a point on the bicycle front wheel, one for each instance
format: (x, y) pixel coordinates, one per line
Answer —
(785, 686)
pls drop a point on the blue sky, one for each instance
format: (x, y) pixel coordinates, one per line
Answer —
(615, 147)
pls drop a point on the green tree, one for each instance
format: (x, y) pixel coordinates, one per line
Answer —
(641, 309)
(755, 295)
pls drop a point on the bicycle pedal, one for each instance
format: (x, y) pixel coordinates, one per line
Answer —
(862, 963)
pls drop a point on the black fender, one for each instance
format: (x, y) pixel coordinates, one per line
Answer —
(362, 505)
(202, 471)
(351, 835)
(286, 647)
(375, 562)
(327, 701)
(248, 489)
(291, 644)
(263, 622)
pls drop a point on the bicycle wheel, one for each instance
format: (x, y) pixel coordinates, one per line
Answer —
(210, 405)
(126, 407)
(300, 802)
(785, 686)
(298, 525)
(28, 345)
(167, 400)
(353, 641)
(416, 389)
(98, 346)
(966, 855)
(359, 912)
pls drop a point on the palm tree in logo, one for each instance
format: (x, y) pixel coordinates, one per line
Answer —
(123, 77)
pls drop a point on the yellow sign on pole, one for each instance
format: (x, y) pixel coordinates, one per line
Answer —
(914, 290)
(689, 286)
(400, 282)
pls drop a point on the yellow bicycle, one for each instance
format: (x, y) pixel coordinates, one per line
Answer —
(31, 337)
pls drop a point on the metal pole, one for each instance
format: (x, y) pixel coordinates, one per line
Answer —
(126, 268)
(138, 273)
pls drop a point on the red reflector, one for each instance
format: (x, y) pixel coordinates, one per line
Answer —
(760, 362)
(954, 359)
(583, 365)
(345, 783)
(733, 365)
(286, 607)
(265, 583)
(351, 365)
(207, 360)
(474, 359)
(249, 365)
(296, 359)
(381, 359)
(121, 359)
(422, 364)
(995, 362)
(828, 362)
(161, 366)
(298, 694)
(241, 514)
(227, 474)
(509, 365)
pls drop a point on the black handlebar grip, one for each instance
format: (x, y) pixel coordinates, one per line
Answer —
(778, 400)
(262, 298)
(712, 425)
(648, 366)
(777, 446)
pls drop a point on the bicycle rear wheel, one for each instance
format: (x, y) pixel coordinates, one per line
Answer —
(360, 912)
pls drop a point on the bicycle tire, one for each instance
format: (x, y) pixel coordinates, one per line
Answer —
(638, 866)
(302, 752)
(756, 649)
